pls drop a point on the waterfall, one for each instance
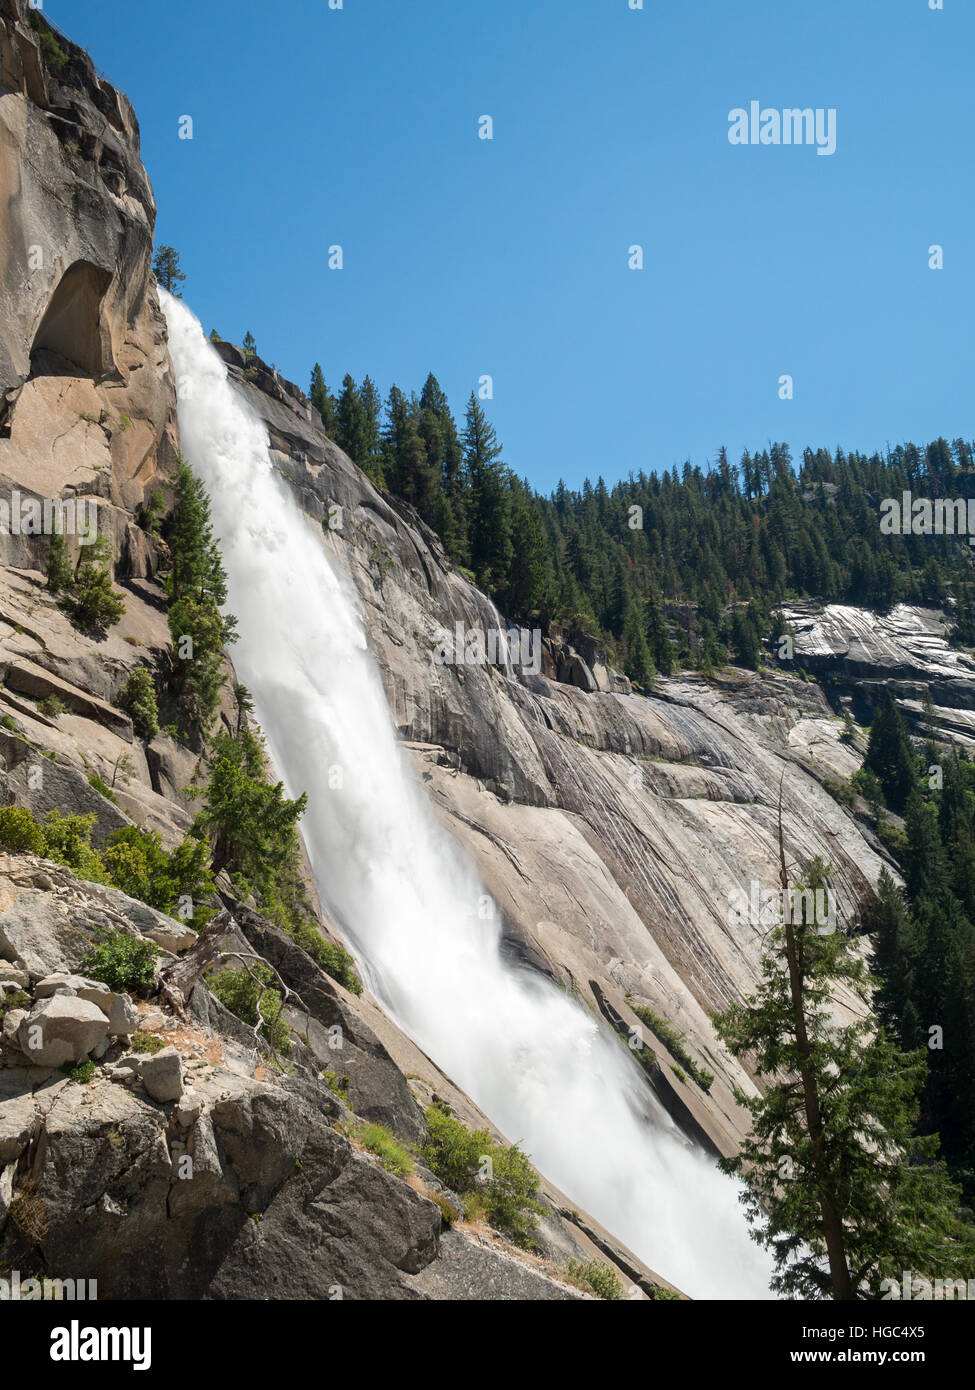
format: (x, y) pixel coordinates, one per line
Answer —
(406, 898)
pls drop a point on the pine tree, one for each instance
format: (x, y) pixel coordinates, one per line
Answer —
(323, 400)
(837, 1185)
(891, 756)
(351, 423)
(249, 346)
(490, 514)
(59, 571)
(167, 270)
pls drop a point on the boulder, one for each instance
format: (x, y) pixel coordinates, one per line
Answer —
(12, 1020)
(172, 937)
(162, 1074)
(121, 1013)
(61, 1028)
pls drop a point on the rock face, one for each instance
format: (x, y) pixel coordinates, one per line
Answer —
(80, 333)
(862, 654)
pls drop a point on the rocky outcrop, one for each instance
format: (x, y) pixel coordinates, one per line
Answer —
(85, 383)
(196, 1167)
(859, 655)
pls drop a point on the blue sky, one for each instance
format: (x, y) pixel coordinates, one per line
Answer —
(508, 257)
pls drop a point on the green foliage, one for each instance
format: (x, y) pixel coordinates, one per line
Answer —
(249, 347)
(323, 400)
(458, 1157)
(83, 1072)
(196, 586)
(152, 509)
(138, 699)
(67, 840)
(167, 270)
(603, 1280)
(891, 756)
(336, 961)
(676, 1043)
(924, 955)
(14, 999)
(392, 1155)
(147, 1042)
(52, 54)
(177, 883)
(251, 822)
(20, 832)
(124, 963)
(838, 1186)
(52, 706)
(338, 1085)
(91, 602)
(244, 992)
(60, 574)
(101, 787)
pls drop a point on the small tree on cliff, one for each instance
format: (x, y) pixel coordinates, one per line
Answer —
(837, 1185)
(168, 273)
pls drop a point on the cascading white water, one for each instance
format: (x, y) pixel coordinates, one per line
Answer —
(533, 1060)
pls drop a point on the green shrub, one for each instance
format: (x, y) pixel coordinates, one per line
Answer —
(101, 787)
(658, 1294)
(452, 1151)
(123, 962)
(392, 1155)
(92, 602)
(135, 861)
(447, 1211)
(239, 991)
(138, 699)
(83, 1072)
(512, 1194)
(53, 55)
(68, 841)
(8, 722)
(678, 1072)
(333, 958)
(338, 1085)
(16, 999)
(508, 1196)
(20, 832)
(603, 1280)
(147, 1042)
(676, 1043)
(52, 706)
